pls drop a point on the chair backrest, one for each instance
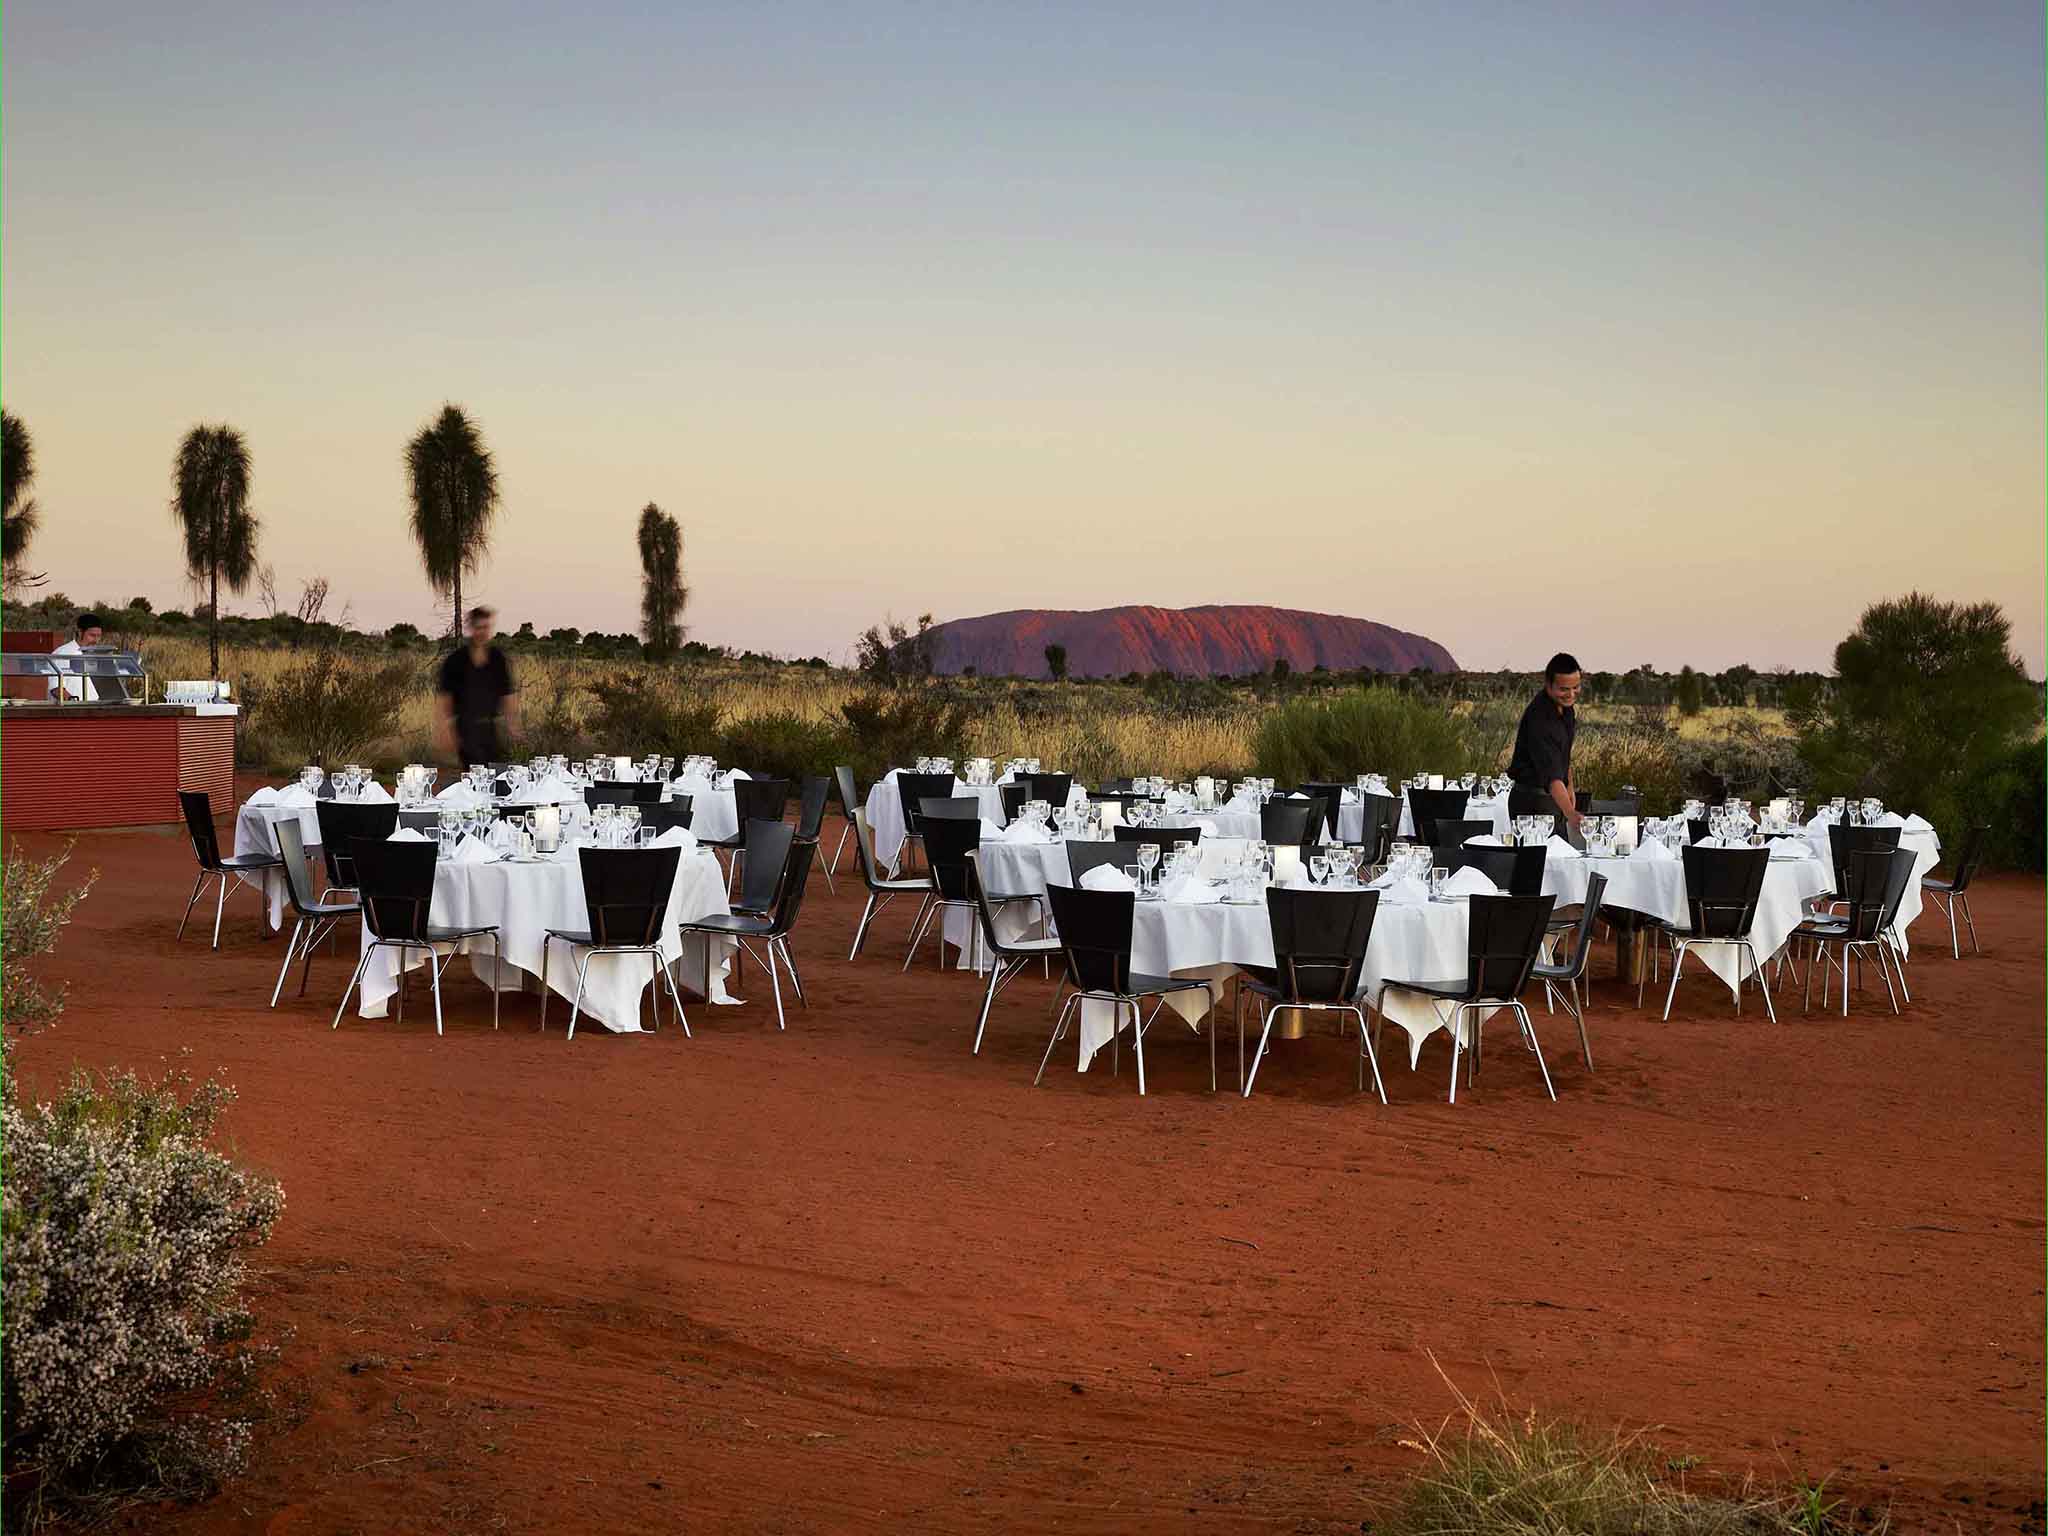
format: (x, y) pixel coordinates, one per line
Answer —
(1458, 831)
(1721, 890)
(1844, 840)
(849, 791)
(395, 881)
(1332, 797)
(1319, 940)
(767, 846)
(1505, 936)
(1897, 882)
(913, 787)
(1620, 805)
(626, 892)
(298, 878)
(812, 794)
(1014, 795)
(1698, 828)
(1864, 885)
(1378, 816)
(948, 808)
(984, 912)
(1290, 823)
(1427, 807)
(864, 850)
(947, 842)
(1449, 857)
(199, 824)
(661, 815)
(1518, 871)
(790, 899)
(1165, 837)
(343, 825)
(1095, 936)
(1969, 857)
(759, 799)
(1530, 802)
(1084, 856)
(623, 792)
(1051, 787)
(1581, 948)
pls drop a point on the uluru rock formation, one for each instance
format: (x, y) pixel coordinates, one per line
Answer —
(1197, 642)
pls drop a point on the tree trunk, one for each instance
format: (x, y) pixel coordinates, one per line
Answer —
(457, 621)
(213, 613)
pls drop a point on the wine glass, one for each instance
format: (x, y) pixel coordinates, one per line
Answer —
(1148, 860)
(1319, 868)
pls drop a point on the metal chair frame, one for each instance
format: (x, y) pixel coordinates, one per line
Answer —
(422, 908)
(199, 825)
(604, 945)
(313, 920)
(881, 891)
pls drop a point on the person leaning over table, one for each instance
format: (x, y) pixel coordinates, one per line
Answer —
(87, 632)
(1542, 761)
(473, 693)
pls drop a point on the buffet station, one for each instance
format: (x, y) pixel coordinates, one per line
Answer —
(83, 743)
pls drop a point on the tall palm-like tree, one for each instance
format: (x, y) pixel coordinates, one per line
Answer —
(454, 490)
(19, 516)
(210, 500)
(662, 593)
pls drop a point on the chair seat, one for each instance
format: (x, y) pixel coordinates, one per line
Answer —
(1454, 990)
(738, 923)
(1820, 928)
(582, 936)
(438, 934)
(331, 909)
(1278, 994)
(1929, 883)
(1024, 946)
(1147, 986)
(998, 900)
(891, 887)
(253, 861)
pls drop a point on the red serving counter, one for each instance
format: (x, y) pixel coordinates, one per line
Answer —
(69, 766)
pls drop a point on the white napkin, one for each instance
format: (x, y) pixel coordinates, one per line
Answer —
(990, 832)
(1404, 892)
(407, 835)
(677, 837)
(1193, 891)
(1918, 823)
(1297, 795)
(1021, 832)
(1107, 877)
(472, 850)
(1784, 849)
(741, 773)
(1890, 819)
(1560, 849)
(264, 796)
(374, 793)
(459, 795)
(297, 795)
(1819, 824)
(1487, 840)
(1651, 851)
(1470, 882)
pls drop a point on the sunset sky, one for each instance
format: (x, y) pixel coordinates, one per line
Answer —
(1662, 333)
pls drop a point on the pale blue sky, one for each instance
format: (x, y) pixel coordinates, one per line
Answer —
(1664, 333)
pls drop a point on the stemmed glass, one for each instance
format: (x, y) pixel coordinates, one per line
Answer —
(1319, 868)
(1148, 860)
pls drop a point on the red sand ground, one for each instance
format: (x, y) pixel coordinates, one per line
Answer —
(854, 1278)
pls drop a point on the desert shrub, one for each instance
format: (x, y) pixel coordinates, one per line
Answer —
(1369, 729)
(889, 729)
(783, 746)
(1929, 703)
(34, 920)
(1605, 762)
(654, 711)
(548, 713)
(327, 707)
(2012, 799)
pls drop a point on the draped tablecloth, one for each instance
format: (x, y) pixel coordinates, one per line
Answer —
(1926, 846)
(884, 806)
(714, 816)
(253, 834)
(525, 900)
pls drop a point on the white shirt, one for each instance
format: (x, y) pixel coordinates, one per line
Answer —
(74, 687)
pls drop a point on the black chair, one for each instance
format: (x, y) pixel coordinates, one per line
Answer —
(623, 792)
(626, 894)
(1454, 833)
(1620, 805)
(395, 883)
(1378, 816)
(1873, 888)
(949, 808)
(814, 790)
(312, 918)
(1427, 807)
(773, 930)
(752, 800)
(665, 815)
(1050, 787)
(1569, 971)
(1010, 955)
(1721, 890)
(206, 848)
(1698, 829)
(1166, 837)
(849, 802)
(948, 842)
(910, 789)
(1844, 843)
(1332, 797)
(1084, 856)
(1955, 890)
(1501, 948)
(1319, 940)
(1291, 823)
(1014, 795)
(881, 890)
(1095, 940)
(343, 825)
(1518, 871)
(764, 851)
(427, 822)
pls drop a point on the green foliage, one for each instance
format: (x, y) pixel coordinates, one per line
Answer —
(887, 730)
(890, 654)
(327, 707)
(35, 918)
(1056, 661)
(403, 636)
(1369, 729)
(453, 486)
(1604, 763)
(1690, 694)
(662, 593)
(1928, 709)
(785, 746)
(2012, 799)
(639, 712)
(19, 516)
(210, 477)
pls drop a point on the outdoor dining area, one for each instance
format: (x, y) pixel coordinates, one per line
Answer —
(1201, 909)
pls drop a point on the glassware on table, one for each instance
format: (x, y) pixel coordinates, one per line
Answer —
(1319, 868)
(1148, 860)
(1437, 876)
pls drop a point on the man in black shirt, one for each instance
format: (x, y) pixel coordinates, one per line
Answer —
(473, 693)
(1543, 742)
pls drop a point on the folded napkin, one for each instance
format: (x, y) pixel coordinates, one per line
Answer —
(741, 773)
(1022, 832)
(296, 794)
(990, 832)
(1787, 848)
(407, 835)
(677, 837)
(1193, 891)
(264, 796)
(1404, 892)
(374, 793)
(1297, 795)
(1890, 819)
(1107, 877)
(1470, 882)
(1560, 849)
(1819, 824)
(1651, 851)
(1918, 823)
(460, 795)
(473, 850)
(1488, 840)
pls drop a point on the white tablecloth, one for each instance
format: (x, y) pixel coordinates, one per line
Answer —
(884, 806)
(1477, 808)
(714, 816)
(524, 901)
(253, 834)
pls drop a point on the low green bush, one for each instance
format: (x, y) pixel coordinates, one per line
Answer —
(784, 746)
(888, 728)
(654, 711)
(326, 708)
(1369, 730)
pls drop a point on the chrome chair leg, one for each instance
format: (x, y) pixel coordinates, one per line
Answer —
(582, 975)
(436, 970)
(1265, 1031)
(1898, 965)
(361, 966)
(1059, 1028)
(674, 997)
(200, 884)
(1970, 920)
(923, 921)
(497, 969)
(219, 904)
(1457, 1046)
(291, 946)
(1757, 970)
(546, 943)
(1677, 960)
(988, 1000)
(1535, 1045)
(775, 982)
(832, 864)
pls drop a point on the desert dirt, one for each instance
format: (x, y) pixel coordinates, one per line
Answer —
(853, 1278)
